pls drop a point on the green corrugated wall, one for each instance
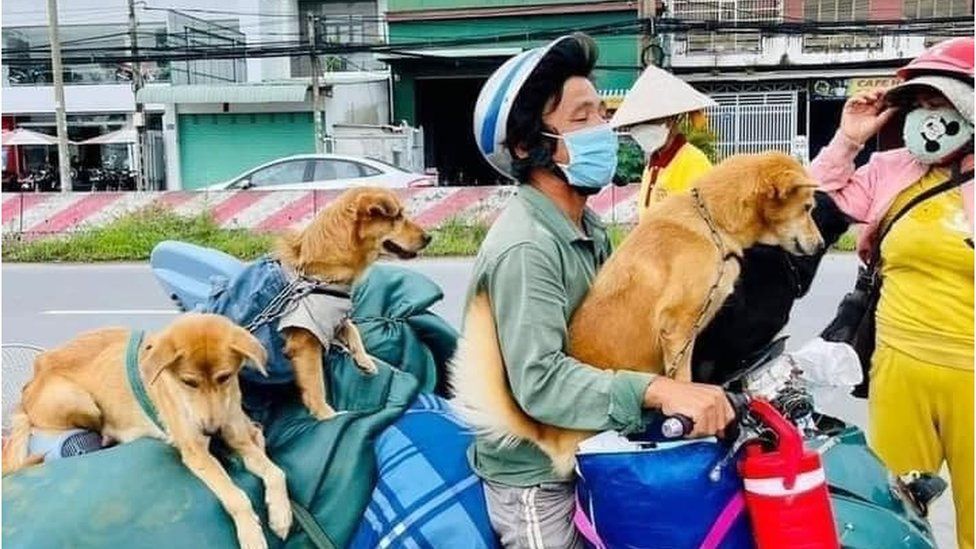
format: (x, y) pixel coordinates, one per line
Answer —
(618, 53)
(217, 147)
(405, 5)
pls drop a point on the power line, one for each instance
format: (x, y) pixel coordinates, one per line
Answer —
(64, 10)
(290, 16)
(287, 48)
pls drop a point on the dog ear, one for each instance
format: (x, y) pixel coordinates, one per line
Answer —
(251, 351)
(378, 204)
(783, 186)
(161, 354)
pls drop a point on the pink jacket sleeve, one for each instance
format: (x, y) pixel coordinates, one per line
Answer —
(852, 189)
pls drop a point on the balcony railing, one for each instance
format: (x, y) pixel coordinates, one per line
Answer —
(40, 74)
(838, 44)
(710, 43)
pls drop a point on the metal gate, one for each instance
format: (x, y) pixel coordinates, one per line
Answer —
(155, 163)
(751, 122)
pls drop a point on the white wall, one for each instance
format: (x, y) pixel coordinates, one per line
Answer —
(77, 99)
(788, 50)
(363, 103)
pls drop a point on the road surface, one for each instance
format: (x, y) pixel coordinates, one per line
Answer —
(48, 304)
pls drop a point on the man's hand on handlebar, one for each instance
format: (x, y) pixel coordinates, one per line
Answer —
(706, 405)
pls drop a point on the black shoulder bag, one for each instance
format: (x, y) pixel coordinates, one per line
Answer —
(855, 320)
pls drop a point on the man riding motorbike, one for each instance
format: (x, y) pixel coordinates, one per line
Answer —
(539, 120)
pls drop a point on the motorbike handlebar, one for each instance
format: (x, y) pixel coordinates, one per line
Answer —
(679, 426)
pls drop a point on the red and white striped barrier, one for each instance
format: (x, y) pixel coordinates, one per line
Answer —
(40, 214)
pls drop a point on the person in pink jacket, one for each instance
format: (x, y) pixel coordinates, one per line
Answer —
(921, 399)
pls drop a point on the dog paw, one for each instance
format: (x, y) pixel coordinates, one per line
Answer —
(366, 365)
(279, 515)
(318, 407)
(323, 413)
(250, 535)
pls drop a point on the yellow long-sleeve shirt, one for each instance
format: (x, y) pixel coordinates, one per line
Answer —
(671, 170)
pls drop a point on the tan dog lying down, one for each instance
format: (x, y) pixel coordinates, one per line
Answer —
(338, 246)
(647, 304)
(189, 371)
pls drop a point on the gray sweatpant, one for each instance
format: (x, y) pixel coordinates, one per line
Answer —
(536, 517)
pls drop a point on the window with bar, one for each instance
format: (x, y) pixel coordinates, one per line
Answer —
(733, 11)
(927, 9)
(346, 23)
(838, 11)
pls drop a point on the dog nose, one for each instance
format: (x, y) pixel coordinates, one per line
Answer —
(427, 238)
(210, 430)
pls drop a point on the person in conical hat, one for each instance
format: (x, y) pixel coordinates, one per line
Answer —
(652, 112)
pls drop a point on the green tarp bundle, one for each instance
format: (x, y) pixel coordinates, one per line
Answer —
(140, 495)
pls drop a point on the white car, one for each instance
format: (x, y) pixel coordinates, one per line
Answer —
(325, 171)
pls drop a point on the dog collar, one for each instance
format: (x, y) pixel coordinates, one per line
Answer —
(726, 255)
(135, 377)
(335, 289)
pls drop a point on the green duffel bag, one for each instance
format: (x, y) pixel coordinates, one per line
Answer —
(140, 494)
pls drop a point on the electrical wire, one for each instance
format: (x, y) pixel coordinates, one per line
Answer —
(233, 48)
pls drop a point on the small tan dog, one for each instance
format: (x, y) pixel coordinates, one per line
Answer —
(647, 304)
(338, 246)
(189, 371)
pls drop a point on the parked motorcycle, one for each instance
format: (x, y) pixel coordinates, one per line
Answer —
(112, 179)
(43, 179)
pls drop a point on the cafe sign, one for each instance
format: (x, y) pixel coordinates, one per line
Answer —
(868, 83)
(842, 88)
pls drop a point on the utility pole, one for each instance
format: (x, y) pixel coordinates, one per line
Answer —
(313, 35)
(646, 13)
(138, 118)
(64, 162)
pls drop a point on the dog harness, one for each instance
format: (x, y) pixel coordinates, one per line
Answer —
(267, 298)
(135, 377)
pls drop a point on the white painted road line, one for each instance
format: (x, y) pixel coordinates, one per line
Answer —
(122, 312)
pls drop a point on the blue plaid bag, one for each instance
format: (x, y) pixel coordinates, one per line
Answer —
(427, 495)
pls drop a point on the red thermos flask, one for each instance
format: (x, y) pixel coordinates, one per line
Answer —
(786, 490)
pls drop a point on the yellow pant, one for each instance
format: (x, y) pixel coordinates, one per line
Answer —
(920, 415)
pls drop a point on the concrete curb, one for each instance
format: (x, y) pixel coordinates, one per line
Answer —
(36, 215)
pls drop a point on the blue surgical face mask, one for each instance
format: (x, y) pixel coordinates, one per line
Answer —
(592, 156)
(934, 135)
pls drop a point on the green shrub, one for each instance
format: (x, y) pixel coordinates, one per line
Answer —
(456, 237)
(630, 163)
(132, 237)
(705, 139)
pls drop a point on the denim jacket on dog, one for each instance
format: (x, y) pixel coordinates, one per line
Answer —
(248, 297)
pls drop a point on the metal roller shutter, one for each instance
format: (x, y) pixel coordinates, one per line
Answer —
(217, 147)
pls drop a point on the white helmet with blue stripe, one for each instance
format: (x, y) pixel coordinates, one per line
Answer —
(495, 102)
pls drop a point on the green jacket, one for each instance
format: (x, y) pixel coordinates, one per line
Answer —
(536, 266)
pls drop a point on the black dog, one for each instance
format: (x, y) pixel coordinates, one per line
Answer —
(772, 280)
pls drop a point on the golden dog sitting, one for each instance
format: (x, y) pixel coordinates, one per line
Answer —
(666, 281)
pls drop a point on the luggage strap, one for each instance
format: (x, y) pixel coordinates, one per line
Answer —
(306, 521)
(725, 521)
(720, 528)
(135, 378)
